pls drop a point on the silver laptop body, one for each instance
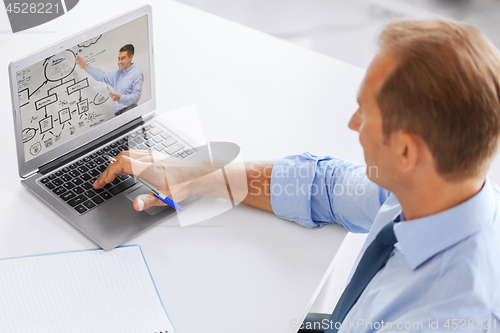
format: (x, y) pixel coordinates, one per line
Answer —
(64, 125)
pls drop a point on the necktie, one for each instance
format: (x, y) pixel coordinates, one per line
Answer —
(374, 258)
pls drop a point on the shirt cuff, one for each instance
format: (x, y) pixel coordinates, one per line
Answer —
(291, 181)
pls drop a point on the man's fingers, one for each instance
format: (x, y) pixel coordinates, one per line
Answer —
(105, 178)
(79, 61)
(124, 165)
(131, 162)
(145, 201)
(127, 162)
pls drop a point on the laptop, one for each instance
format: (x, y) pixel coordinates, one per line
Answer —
(66, 122)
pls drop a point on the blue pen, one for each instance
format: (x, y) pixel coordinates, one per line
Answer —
(163, 198)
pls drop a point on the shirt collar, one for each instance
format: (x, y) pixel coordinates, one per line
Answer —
(425, 237)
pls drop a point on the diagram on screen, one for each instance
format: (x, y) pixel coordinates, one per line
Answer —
(57, 101)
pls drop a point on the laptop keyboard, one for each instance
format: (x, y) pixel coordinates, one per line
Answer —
(73, 183)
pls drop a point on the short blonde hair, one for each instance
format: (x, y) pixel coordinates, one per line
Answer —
(446, 90)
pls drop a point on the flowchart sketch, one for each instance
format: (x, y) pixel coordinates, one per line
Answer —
(60, 88)
(83, 106)
(47, 143)
(57, 102)
(78, 86)
(28, 134)
(100, 99)
(23, 79)
(57, 97)
(24, 97)
(64, 115)
(41, 103)
(35, 148)
(46, 124)
(59, 66)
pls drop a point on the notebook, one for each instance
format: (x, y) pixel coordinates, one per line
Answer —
(90, 95)
(82, 291)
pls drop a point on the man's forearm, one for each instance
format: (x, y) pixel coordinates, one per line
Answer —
(249, 184)
(130, 99)
(259, 184)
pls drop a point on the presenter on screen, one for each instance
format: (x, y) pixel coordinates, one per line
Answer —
(126, 81)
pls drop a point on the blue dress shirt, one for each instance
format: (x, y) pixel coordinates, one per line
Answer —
(444, 273)
(128, 84)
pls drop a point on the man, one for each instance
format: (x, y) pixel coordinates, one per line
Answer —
(429, 123)
(126, 81)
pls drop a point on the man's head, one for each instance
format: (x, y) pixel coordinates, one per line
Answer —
(125, 57)
(430, 101)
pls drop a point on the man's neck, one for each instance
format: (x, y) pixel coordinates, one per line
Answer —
(432, 197)
(125, 69)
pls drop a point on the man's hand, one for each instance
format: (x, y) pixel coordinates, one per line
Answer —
(171, 176)
(179, 178)
(81, 63)
(115, 97)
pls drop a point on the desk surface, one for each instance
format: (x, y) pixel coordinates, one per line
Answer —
(245, 270)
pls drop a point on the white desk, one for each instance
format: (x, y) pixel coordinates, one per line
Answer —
(246, 270)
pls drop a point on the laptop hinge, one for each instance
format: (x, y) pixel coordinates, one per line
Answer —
(34, 172)
(75, 154)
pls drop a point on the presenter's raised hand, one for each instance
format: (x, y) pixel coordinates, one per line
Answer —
(81, 63)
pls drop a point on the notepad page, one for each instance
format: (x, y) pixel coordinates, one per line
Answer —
(86, 291)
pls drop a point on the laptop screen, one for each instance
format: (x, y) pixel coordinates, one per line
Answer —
(84, 86)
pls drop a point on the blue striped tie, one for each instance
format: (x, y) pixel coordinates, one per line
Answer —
(374, 258)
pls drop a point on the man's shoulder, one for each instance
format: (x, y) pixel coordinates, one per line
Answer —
(485, 243)
(135, 70)
(496, 191)
(473, 263)
(471, 266)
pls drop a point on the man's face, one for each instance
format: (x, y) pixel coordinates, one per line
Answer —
(367, 121)
(124, 61)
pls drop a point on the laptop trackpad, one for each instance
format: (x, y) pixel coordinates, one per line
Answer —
(144, 190)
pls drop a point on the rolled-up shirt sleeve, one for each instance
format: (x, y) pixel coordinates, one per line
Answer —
(314, 190)
(100, 75)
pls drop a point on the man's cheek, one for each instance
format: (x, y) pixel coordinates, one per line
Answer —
(362, 140)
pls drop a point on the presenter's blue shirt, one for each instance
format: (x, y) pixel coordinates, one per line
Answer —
(444, 273)
(128, 84)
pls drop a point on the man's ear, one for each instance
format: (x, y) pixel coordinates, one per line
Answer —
(407, 149)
